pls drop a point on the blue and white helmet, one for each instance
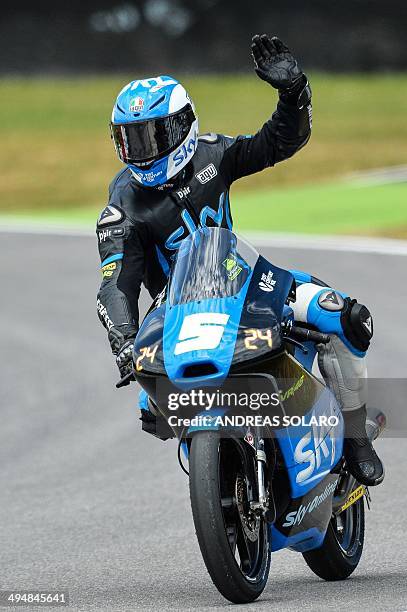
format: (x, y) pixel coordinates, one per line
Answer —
(154, 128)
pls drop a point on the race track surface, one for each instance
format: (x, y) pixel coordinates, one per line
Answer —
(91, 504)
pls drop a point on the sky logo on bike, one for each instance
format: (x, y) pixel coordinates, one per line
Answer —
(296, 517)
(312, 449)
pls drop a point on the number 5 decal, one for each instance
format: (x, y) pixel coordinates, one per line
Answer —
(203, 330)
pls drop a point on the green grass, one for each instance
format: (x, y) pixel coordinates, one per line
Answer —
(336, 208)
(56, 153)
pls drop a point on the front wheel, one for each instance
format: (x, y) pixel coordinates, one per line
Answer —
(232, 538)
(342, 547)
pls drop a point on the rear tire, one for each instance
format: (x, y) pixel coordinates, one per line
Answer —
(216, 479)
(342, 547)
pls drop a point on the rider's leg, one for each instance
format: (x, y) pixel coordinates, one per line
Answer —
(343, 365)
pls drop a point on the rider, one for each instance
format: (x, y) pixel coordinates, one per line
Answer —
(175, 181)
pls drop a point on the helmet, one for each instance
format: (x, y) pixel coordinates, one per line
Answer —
(154, 128)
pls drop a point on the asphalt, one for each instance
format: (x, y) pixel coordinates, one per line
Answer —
(92, 505)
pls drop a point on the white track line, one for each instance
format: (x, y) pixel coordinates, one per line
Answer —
(351, 244)
(46, 230)
(378, 176)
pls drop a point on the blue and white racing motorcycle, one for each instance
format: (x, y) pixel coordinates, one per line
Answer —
(257, 485)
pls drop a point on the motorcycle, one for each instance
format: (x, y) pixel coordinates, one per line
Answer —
(257, 485)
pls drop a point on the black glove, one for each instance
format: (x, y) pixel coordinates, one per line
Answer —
(276, 65)
(122, 347)
(124, 358)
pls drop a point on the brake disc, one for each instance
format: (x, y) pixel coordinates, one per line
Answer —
(249, 520)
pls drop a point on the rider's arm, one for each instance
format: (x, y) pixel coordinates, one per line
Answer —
(122, 265)
(289, 128)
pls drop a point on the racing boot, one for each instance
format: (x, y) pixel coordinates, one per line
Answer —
(346, 375)
(361, 458)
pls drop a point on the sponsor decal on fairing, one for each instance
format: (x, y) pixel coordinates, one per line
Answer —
(267, 282)
(296, 517)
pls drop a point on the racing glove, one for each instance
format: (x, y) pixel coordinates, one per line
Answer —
(276, 65)
(122, 348)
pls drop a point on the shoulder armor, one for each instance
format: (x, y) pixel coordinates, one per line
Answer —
(110, 215)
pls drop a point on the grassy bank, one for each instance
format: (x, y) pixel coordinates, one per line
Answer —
(56, 153)
(325, 209)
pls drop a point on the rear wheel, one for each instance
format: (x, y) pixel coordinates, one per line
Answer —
(232, 538)
(342, 547)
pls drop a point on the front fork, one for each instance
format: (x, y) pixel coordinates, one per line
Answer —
(262, 504)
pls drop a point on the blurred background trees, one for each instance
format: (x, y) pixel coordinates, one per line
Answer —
(204, 35)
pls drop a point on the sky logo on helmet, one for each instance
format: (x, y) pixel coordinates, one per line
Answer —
(136, 104)
(186, 150)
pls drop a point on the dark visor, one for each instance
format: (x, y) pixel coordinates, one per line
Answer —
(149, 140)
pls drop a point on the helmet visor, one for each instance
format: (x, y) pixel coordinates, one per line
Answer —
(146, 141)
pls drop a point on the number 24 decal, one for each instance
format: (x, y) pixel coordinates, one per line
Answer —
(252, 335)
(148, 352)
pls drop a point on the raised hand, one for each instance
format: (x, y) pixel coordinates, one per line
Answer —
(275, 63)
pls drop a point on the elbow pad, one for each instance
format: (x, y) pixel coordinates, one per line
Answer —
(357, 324)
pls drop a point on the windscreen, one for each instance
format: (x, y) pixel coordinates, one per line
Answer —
(211, 263)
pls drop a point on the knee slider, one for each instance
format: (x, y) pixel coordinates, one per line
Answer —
(357, 324)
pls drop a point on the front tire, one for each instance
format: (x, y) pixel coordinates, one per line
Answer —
(342, 547)
(233, 540)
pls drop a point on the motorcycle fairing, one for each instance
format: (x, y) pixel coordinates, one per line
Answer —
(301, 542)
(308, 360)
(262, 313)
(150, 336)
(177, 357)
(310, 452)
(219, 288)
(239, 298)
(303, 524)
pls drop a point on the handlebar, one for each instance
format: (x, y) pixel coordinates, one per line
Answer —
(126, 380)
(308, 335)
